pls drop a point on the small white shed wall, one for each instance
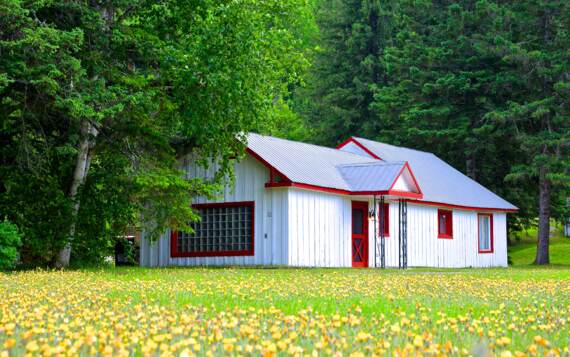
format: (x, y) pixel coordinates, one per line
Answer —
(270, 219)
(425, 249)
(319, 229)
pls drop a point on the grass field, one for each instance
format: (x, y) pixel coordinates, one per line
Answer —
(523, 251)
(140, 311)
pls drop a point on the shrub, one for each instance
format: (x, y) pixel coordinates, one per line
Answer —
(10, 240)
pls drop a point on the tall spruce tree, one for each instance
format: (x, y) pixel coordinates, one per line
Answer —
(352, 39)
(444, 76)
(483, 84)
(538, 108)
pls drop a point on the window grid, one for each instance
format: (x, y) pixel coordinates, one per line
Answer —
(224, 229)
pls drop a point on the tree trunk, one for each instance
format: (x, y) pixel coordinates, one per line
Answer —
(542, 250)
(88, 135)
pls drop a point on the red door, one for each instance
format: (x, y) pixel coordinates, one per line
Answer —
(359, 234)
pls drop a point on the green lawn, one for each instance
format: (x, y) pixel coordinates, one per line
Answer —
(138, 311)
(523, 252)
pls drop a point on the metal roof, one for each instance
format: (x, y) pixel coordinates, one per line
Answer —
(305, 163)
(356, 171)
(439, 181)
(377, 176)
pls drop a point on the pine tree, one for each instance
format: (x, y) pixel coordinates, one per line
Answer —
(538, 110)
(353, 37)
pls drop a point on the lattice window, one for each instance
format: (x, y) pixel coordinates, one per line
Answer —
(224, 229)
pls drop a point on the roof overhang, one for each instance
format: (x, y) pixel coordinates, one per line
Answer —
(391, 191)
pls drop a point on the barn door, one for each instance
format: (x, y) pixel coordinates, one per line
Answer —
(359, 234)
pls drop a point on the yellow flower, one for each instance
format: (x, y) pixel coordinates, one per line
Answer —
(32, 346)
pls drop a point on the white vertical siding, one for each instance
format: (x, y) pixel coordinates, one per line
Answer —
(425, 249)
(307, 228)
(319, 229)
(270, 219)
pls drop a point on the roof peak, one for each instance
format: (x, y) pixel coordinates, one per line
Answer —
(392, 145)
(335, 150)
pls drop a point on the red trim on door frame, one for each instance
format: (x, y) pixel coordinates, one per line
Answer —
(364, 206)
(229, 253)
(448, 224)
(357, 143)
(492, 236)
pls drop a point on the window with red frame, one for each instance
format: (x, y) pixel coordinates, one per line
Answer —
(224, 229)
(485, 229)
(444, 224)
(386, 220)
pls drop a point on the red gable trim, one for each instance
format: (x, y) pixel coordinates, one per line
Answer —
(353, 140)
(413, 178)
(266, 164)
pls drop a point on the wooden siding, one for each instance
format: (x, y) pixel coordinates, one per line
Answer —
(425, 249)
(305, 228)
(319, 229)
(270, 229)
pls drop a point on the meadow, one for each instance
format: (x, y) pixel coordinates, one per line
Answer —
(146, 312)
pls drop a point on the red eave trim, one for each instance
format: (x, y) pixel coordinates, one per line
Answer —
(345, 192)
(468, 208)
(357, 143)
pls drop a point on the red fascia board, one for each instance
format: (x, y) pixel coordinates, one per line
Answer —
(357, 143)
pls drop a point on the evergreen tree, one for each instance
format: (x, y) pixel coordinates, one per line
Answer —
(352, 39)
(538, 109)
(97, 97)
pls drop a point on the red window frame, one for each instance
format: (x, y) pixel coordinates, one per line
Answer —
(174, 253)
(448, 216)
(386, 220)
(491, 234)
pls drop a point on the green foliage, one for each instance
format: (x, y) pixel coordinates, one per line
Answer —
(157, 80)
(483, 85)
(523, 252)
(10, 241)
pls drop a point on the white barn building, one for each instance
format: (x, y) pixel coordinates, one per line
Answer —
(363, 204)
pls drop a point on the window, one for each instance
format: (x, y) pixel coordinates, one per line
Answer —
(444, 224)
(485, 229)
(386, 220)
(225, 229)
(357, 221)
